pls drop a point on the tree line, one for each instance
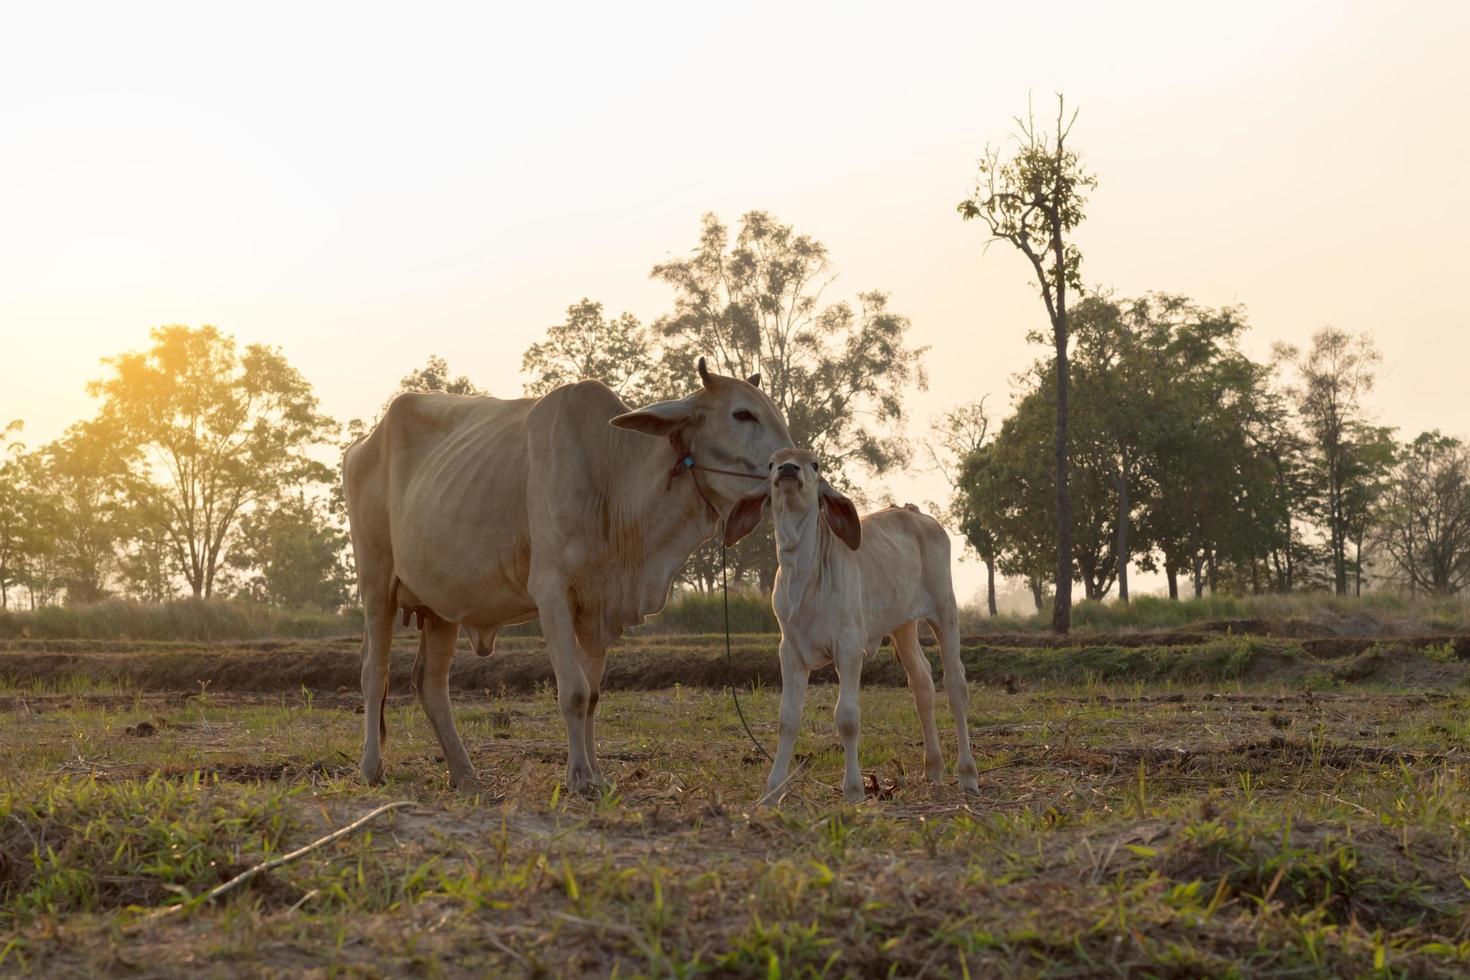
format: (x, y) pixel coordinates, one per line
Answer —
(1145, 440)
(1190, 459)
(1169, 448)
(209, 469)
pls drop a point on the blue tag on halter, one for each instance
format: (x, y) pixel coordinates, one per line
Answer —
(689, 462)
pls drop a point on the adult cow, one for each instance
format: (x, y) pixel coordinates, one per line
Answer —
(483, 512)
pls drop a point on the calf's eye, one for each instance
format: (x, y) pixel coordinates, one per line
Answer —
(741, 415)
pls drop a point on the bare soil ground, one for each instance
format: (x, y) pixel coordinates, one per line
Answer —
(1223, 806)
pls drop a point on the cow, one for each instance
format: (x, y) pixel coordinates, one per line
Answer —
(842, 584)
(572, 508)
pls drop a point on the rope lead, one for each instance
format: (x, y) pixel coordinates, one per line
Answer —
(730, 660)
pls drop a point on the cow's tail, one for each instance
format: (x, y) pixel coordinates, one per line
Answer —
(383, 705)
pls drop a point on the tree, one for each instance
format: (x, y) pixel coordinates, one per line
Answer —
(1034, 200)
(147, 568)
(15, 518)
(1002, 483)
(620, 352)
(959, 435)
(434, 376)
(1333, 377)
(1424, 517)
(838, 372)
(85, 477)
(292, 555)
(1371, 455)
(218, 432)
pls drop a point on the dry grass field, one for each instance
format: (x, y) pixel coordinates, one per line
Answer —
(1179, 804)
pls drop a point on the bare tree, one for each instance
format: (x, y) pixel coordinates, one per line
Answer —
(1424, 519)
(1333, 376)
(958, 436)
(1033, 200)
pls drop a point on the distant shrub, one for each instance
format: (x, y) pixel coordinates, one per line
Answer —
(698, 612)
(1147, 612)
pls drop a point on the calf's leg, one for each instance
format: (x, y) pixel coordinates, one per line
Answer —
(793, 695)
(849, 662)
(921, 684)
(947, 628)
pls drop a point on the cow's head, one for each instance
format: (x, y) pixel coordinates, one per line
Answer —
(795, 492)
(728, 424)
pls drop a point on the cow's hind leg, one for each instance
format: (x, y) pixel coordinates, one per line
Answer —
(947, 629)
(377, 641)
(431, 677)
(921, 684)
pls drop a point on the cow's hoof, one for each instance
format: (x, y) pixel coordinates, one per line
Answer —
(857, 794)
(774, 794)
(467, 785)
(934, 772)
(372, 773)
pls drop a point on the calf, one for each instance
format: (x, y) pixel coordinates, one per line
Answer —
(842, 584)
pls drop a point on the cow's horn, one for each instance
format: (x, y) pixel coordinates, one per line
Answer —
(754, 380)
(703, 373)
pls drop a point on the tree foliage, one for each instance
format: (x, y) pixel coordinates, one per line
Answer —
(217, 432)
(618, 351)
(838, 371)
(291, 555)
(1333, 376)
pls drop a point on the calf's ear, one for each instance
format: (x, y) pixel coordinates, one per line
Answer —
(745, 515)
(841, 515)
(658, 419)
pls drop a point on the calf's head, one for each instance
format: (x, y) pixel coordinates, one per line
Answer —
(727, 424)
(795, 492)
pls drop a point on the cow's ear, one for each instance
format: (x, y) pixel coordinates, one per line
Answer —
(658, 419)
(745, 515)
(754, 380)
(841, 515)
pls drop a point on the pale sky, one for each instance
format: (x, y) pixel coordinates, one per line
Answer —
(365, 186)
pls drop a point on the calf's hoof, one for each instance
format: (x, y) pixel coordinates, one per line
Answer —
(970, 782)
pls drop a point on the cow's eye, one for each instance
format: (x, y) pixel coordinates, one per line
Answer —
(815, 467)
(741, 415)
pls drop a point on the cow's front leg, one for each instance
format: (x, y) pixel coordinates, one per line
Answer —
(592, 664)
(794, 676)
(573, 692)
(849, 662)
